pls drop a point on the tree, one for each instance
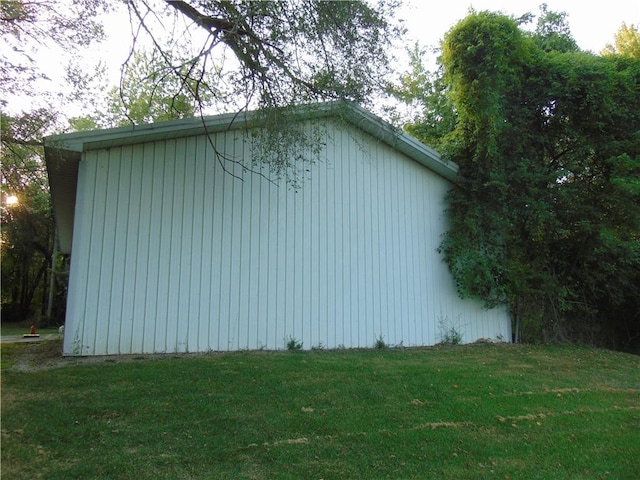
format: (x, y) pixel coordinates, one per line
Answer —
(28, 26)
(546, 216)
(233, 56)
(27, 227)
(552, 31)
(147, 94)
(271, 56)
(275, 54)
(426, 93)
(626, 42)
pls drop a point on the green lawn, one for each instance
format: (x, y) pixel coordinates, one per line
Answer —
(480, 411)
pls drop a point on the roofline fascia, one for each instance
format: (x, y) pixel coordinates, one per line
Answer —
(356, 115)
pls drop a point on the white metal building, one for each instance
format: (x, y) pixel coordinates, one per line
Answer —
(170, 253)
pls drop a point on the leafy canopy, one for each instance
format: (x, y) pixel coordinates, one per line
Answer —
(273, 54)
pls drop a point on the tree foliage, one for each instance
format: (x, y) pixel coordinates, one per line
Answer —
(147, 93)
(546, 217)
(26, 226)
(232, 56)
(275, 54)
(26, 27)
(626, 42)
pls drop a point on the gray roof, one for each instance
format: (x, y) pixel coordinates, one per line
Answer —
(63, 152)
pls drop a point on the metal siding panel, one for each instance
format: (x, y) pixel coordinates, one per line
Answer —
(182, 256)
(356, 229)
(261, 251)
(245, 324)
(220, 255)
(157, 324)
(335, 246)
(237, 217)
(77, 326)
(140, 331)
(376, 206)
(253, 264)
(201, 281)
(226, 249)
(153, 316)
(102, 248)
(414, 262)
(174, 316)
(343, 224)
(275, 306)
(192, 241)
(207, 292)
(321, 312)
(185, 161)
(128, 212)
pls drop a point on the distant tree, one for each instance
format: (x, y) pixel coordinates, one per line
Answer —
(626, 43)
(146, 94)
(552, 33)
(426, 93)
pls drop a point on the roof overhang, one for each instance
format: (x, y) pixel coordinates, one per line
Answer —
(64, 152)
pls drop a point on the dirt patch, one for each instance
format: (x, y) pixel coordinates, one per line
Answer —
(36, 356)
(47, 355)
(434, 425)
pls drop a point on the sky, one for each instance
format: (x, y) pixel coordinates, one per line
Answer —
(593, 24)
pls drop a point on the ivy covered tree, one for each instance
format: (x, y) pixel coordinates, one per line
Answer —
(546, 216)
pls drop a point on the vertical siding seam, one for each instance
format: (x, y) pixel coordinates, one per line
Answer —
(125, 226)
(87, 245)
(198, 242)
(144, 174)
(209, 175)
(107, 310)
(99, 242)
(221, 176)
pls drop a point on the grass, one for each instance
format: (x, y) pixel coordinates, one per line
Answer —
(465, 412)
